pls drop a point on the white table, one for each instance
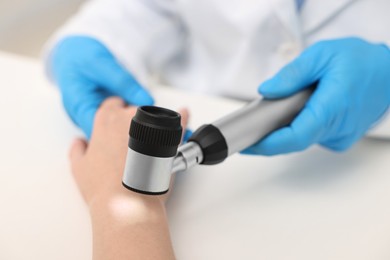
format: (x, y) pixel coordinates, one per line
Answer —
(312, 205)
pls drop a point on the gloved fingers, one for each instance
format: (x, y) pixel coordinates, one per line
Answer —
(297, 75)
(304, 131)
(81, 100)
(341, 118)
(187, 135)
(344, 143)
(339, 145)
(108, 73)
(90, 59)
(85, 114)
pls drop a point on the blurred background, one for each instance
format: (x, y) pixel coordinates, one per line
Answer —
(25, 25)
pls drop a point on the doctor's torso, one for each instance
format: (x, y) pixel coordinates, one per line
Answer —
(232, 46)
(224, 47)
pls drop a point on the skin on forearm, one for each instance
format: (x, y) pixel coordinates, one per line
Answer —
(125, 224)
(131, 228)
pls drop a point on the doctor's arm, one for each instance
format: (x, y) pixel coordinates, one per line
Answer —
(126, 225)
(111, 48)
(352, 96)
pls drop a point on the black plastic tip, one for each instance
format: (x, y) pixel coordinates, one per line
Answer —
(212, 143)
(155, 131)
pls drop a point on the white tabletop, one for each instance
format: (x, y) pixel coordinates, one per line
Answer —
(311, 205)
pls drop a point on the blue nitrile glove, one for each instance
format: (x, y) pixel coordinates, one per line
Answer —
(352, 94)
(87, 73)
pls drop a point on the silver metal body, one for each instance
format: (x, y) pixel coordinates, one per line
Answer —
(153, 174)
(188, 155)
(254, 121)
(146, 173)
(240, 129)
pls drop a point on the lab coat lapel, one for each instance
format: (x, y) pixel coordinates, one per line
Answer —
(286, 11)
(316, 13)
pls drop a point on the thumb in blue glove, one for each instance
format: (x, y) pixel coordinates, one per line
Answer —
(87, 73)
(353, 93)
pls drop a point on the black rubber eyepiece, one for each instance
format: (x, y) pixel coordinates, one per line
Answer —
(155, 131)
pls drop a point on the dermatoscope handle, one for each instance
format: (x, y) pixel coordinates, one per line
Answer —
(259, 118)
(248, 125)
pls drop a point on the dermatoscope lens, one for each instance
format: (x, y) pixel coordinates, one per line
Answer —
(155, 131)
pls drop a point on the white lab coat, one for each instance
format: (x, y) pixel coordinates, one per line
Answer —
(224, 47)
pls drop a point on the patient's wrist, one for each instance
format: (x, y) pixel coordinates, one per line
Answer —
(130, 209)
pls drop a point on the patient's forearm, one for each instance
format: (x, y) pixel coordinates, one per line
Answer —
(130, 228)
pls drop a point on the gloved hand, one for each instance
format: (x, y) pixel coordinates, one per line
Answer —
(353, 93)
(87, 73)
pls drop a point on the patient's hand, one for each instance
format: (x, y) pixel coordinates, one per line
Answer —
(126, 225)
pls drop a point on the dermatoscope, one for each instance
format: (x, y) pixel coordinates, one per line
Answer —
(155, 134)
